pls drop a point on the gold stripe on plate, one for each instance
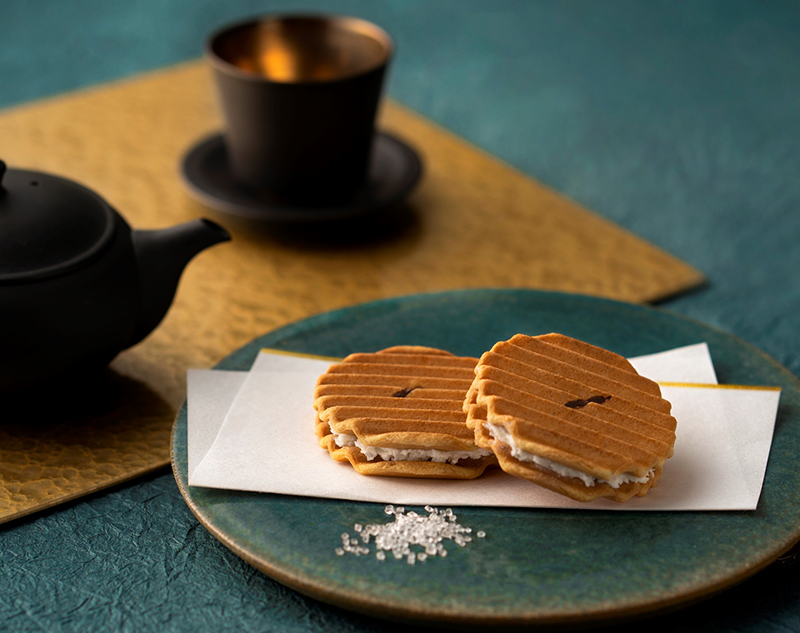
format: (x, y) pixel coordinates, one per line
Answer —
(281, 352)
(701, 385)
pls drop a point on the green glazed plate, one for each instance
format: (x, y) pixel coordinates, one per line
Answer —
(534, 566)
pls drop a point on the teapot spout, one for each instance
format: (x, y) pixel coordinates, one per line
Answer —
(161, 256)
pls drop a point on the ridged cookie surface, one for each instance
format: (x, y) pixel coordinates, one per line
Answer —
(585, 414)
(399, 412)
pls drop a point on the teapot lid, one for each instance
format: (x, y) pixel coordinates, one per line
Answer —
(48, 225)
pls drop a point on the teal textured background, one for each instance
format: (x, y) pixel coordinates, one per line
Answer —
(679, 121)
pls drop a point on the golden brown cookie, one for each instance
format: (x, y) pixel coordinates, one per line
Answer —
(399, 412)
(571, 417)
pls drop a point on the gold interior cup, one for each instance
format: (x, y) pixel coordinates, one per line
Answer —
(300, 49)
(299, 96)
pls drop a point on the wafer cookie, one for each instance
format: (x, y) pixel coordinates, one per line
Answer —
(399, 412)
(571, 417)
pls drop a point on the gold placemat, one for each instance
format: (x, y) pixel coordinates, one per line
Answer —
(473, 222)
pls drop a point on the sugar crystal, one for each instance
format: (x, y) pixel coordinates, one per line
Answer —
(425, 533)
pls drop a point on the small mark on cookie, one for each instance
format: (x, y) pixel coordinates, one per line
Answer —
(404, 392)
(579, 404)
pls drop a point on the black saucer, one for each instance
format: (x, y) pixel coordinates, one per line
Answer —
(394, 170)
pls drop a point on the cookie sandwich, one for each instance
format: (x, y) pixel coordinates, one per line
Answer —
(571, 417)
(399, 412)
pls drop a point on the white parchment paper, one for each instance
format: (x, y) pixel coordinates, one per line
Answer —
(255, 431)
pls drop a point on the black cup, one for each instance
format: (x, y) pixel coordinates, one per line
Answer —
(299, 95)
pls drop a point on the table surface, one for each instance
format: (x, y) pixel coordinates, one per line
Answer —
(678, 121)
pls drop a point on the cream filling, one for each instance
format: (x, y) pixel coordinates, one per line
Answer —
(501, 434)
(407, 454)
(343, 439)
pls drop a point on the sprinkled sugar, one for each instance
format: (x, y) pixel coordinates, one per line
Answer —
(425, 532)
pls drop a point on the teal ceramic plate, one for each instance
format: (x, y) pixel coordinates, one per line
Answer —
(534, 566)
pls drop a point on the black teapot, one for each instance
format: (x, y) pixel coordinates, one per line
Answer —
(77, 285)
